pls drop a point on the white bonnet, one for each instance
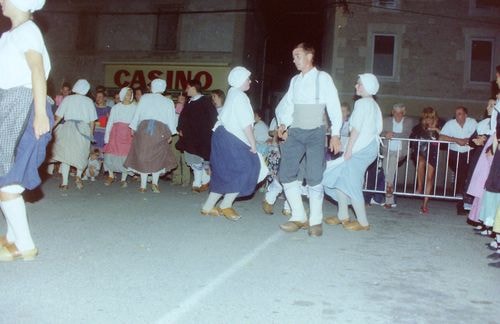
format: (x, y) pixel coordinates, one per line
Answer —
(123, 93)
(370, 83)
(158, 85)
(82, 87)
(28, 5)
(238, 76)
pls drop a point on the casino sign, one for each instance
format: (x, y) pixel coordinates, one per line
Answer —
(211, 76)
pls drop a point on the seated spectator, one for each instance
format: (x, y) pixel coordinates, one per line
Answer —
(425, 153)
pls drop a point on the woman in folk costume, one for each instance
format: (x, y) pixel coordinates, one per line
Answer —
(118, 137)
(26, 118)
(72, 139)
(233, 159)
(153, 124)
(483, 165)
(344, 182)
(195, 130)
(491, 197)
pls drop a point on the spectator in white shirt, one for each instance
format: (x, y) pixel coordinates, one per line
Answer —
(458, 131)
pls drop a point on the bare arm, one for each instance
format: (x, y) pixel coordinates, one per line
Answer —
(459, 141)
(41, 122)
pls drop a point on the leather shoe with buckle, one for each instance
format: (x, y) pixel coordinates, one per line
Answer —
(212, 212)
(315, 230)
(293, 226)
(357, 227)
(11, 253)
(229, 213)
(267, 207)
(108, 181)
(3, 241)
(334, 220)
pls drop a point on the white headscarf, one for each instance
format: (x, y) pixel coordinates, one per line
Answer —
(158, 85)
(370, 83)
(238, 76)
(28, 5)
(82, 87)
(123, 93)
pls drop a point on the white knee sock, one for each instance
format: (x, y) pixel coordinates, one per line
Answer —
(15, 213)
(50, 168)
(65, 173)
(197, 174)
(293, 195)
(273, 191)
(144, 180)
(79, 173)
(360, 210)
(212, 199)
(343, 203)
(156, 177)
(316, 204)
(124, 176)
(228, 200)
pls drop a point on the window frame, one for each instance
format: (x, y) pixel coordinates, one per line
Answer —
(468, 60)
(167, 12)
(395, 30)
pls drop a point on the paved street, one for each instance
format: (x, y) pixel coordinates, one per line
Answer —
(111, 255)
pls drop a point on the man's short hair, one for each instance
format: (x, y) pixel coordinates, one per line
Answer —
(399, 106)
(308, 48)
(195, 84)
(463, 108)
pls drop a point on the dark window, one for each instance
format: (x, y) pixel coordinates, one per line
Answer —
(383, 55)
(86, 35)
(481, 60)
(166, 30)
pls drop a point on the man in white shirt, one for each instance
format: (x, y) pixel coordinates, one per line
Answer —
(458, 131)
(396, 126)
(300, 116)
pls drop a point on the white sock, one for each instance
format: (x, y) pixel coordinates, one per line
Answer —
(64, 169)
(156, 177)
(205, 177)
(360, 210)
(316, 205)
(197, 174)
(15, 213)
(212, 199)
(228, 200)
(79, 173)
(273, 191)
(343, 203)
(124, 176)
(293, 195)
(144, 180)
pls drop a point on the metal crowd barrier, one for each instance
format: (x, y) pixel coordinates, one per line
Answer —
(405, 182)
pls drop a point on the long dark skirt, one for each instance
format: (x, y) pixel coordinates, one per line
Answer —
(150, 151)
(234, 167)
(30, 154)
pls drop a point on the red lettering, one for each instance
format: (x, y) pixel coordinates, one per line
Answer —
(154, 74)
(181, 79)
(170, 79)
(205, 79)
(117, 78)
(138, 79)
